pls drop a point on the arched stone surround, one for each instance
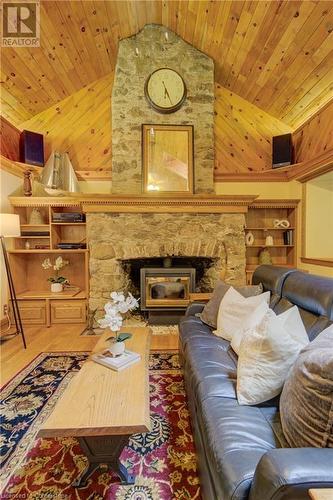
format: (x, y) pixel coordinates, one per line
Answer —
(115, 237)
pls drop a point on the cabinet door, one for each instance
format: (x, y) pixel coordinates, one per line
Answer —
(68, 311)
(32, 312)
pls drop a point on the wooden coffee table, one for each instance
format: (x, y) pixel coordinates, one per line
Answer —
(103, 408)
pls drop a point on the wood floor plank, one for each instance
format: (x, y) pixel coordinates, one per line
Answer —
(57, 338)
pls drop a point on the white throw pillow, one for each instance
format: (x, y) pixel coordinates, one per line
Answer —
(234, 309)
(249, 322)
(267, 352)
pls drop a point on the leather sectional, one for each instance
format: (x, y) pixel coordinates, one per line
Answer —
(241, 450)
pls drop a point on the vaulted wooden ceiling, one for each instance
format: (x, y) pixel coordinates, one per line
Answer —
(275, 54)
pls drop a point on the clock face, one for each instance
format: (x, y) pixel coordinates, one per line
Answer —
(165, 90)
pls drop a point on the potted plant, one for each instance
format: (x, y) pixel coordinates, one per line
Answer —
(115, 311)
(57, 282)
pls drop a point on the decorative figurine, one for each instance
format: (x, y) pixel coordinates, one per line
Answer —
(36, 218)
(269, 242)
(265, 257)
(27, 185)
(249, 239)
(283, 223)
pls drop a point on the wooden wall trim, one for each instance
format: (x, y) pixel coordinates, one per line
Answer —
(301, 172)
(312, 168)
(145, 204)
(17, 168)
(285, 203)
(317, 262)
(263, 176)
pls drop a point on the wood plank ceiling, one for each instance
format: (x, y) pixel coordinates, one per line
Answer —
(276, 54)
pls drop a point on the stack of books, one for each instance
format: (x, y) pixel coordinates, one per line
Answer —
(119, 363)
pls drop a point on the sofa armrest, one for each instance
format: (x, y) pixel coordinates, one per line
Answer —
(286, 473)
(194, 308)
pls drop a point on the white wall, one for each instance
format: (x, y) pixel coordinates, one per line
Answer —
(9, 184)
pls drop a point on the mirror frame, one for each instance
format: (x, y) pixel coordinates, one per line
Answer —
(145, 166)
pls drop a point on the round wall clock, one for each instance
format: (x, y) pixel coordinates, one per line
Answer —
(165, 90)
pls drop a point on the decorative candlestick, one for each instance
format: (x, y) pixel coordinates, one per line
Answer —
(27, 185)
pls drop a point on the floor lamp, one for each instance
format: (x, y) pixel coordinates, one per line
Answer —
(10, 228)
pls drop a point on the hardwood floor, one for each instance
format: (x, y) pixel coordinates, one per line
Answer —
(57, 338)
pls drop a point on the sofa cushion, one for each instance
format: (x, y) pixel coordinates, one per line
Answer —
(234, 310)
(271, 277)
(236, 437)
(310, 292)
(307, 398)
(213, 372)
(209, 314)
(267, 353)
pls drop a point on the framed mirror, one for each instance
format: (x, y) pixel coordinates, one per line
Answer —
(167, 159)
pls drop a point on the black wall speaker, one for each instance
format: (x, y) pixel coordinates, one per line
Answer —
(282, 151)
(32, 148)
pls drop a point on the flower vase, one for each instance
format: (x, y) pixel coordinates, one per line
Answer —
(56, 287)
(117, 348)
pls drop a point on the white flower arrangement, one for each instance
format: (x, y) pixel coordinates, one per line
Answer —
(58, 264)
(114, 311)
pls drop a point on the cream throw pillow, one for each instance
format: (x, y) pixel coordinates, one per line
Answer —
(234, 309)
(249, 322)
(267, 352)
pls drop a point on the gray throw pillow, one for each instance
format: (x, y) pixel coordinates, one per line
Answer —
(306, 403)
(211, 309)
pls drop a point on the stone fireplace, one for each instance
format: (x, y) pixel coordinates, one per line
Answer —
(118, 237)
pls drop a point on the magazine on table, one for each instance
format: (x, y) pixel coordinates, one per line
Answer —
(118, 363)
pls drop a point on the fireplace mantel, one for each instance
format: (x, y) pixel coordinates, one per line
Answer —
(145, 204)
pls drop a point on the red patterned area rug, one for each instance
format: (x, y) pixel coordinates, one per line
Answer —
(163, 460)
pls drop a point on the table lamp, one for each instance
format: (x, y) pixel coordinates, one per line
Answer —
(10, 228)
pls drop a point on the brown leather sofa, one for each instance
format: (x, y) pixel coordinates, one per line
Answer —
(242, 452)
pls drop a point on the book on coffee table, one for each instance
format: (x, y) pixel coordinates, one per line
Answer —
(121, 362)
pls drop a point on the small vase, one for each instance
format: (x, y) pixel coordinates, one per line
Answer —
(269, 242)
(117, 348)
(56, 287)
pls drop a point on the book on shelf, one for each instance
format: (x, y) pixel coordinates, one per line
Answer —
(288, 237)
(118, 363)
(35, 233)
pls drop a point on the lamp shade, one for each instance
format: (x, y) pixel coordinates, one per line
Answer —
(10, 225)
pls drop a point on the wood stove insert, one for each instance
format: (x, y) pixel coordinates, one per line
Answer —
(165, 292)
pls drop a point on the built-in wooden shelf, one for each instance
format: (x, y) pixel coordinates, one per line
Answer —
(47, 294)
(68, 223)
(34, 237)
(17, 168)
(302, 172)
(33, 225)
(251, 268)
(48, 250)
(269, 228)
(38, 305)
(260, 219)
(269, 246)
(192, 203)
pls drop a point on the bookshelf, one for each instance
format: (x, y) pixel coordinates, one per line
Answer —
(260, 222)
(38, 305)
